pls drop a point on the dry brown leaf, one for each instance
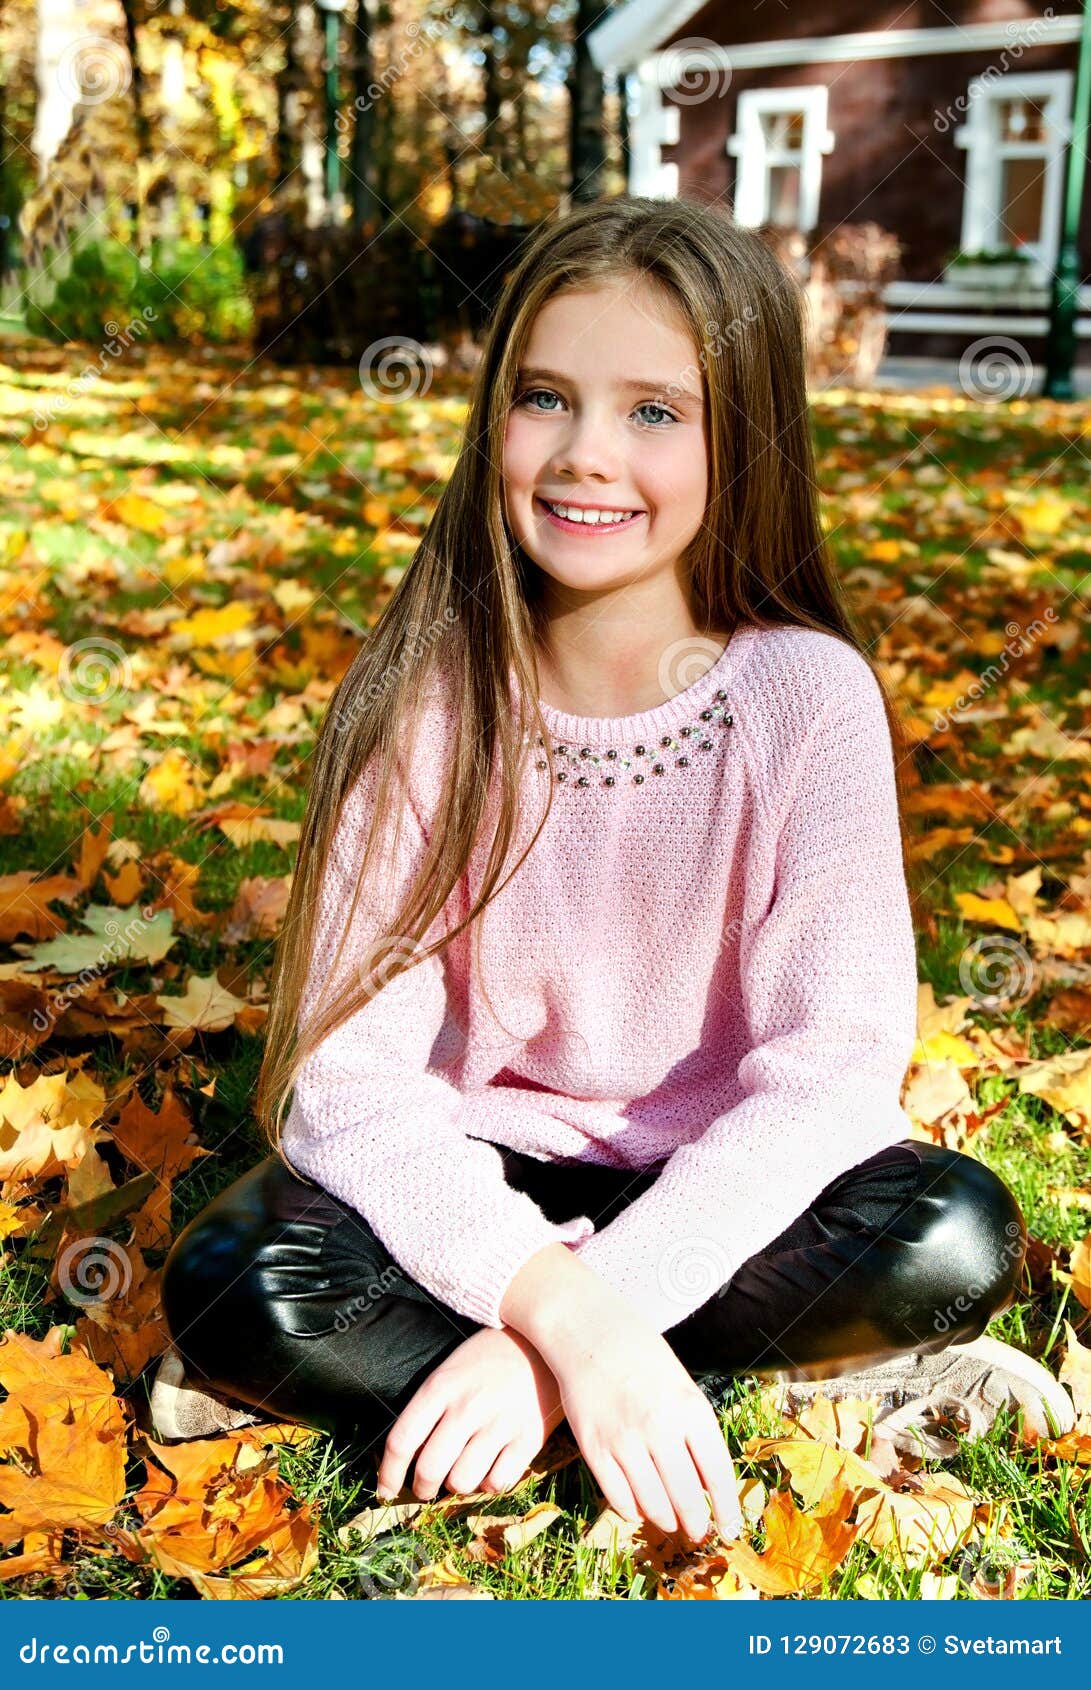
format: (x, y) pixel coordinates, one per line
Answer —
(709, 1579)
(934, 1515)
(1079, 1267)
(1075, 1372)
(205, 1005)
(497, 1535)
(25, 900)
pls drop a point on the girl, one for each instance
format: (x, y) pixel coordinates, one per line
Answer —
(597, 983)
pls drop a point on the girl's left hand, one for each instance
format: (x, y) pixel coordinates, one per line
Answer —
(478, 1421)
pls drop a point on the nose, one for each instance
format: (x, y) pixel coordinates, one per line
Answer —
(586, 450)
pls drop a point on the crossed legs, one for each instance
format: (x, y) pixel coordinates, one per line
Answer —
(281, 1296)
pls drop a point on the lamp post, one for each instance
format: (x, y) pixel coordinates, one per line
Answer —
(1060, 353)
(330, 11)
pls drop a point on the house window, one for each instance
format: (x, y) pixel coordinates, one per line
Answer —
(779, 140)
(1014, 136)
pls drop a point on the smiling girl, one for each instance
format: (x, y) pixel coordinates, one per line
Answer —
(597, 985)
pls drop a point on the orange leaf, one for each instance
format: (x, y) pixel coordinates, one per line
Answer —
(801, 1548)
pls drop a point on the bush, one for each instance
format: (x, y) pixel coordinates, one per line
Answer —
(102, 286)
(844, 269)
(186, 291)
(200, 292)
(323, 295)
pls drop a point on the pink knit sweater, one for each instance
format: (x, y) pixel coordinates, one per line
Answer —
(711, 970)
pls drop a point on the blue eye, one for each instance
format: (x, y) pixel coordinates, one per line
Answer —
(648, 405)
(532, 393)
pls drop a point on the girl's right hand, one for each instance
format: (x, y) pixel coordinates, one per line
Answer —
(646, 1430)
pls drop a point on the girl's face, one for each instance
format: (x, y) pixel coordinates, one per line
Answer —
(607, 414)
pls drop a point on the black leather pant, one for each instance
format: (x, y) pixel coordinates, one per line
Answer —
(281, 1296)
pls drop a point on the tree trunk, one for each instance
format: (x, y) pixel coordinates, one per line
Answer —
(4, 249)
(492, 141)
(587, 146)
(365, 205)
(133, 13)
(285, 150)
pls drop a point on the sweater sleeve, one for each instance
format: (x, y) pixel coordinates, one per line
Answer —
(373, 1124)
(829, 985)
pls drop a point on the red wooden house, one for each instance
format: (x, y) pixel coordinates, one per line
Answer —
(946, 124)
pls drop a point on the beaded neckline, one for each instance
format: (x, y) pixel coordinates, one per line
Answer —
(584, 766)
(625, 750)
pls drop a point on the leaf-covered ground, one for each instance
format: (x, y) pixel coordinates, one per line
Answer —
(189, 551)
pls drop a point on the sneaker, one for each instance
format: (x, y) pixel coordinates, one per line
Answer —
(974, 1380)
(180, 1411)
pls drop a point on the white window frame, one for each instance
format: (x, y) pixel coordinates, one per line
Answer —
(748, 147)
(978, 136)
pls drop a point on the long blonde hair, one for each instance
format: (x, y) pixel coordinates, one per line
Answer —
(468, 599)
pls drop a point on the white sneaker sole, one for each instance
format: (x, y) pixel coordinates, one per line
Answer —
(1016, 1364)
(954, 1373)
(180, 1412)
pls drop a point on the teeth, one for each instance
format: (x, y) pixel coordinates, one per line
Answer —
(592, 518)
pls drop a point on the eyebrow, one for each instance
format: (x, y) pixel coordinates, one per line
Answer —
(634, 384)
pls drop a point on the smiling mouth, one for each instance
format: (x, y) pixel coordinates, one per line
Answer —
(589, 524)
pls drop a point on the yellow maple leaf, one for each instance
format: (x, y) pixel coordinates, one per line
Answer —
(801, 1548)
(1046, 514)
(991, 912)
(174, 784)
(137, 511)
(209, 625)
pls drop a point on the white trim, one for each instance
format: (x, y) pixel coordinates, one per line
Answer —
(984, 152)
(749, 146)
(971, 321)
(637, 30)
(950, 322)
(950, 293)
(652, 125)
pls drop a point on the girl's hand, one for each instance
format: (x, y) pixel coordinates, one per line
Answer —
(477, 1421)
(649, 1435)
